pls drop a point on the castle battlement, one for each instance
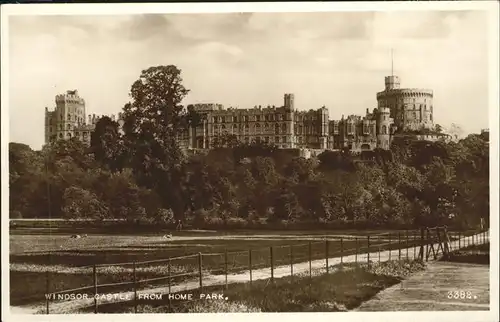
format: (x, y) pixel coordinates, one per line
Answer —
(406, 92)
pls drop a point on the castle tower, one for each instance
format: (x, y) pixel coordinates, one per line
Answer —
(68, 115)
(289, 102)
(392, 82)
(289, 120)
(411, 108)
(384, 124)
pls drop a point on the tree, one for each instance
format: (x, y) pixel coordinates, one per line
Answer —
(83, 204)
(106, 144)
(151, 123)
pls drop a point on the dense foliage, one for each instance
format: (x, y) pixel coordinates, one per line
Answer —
(141, 175)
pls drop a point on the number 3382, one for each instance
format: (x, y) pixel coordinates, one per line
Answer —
(459, 295)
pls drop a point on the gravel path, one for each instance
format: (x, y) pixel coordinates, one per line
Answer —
(257, 274)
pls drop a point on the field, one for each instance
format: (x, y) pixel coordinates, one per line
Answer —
(45, 263)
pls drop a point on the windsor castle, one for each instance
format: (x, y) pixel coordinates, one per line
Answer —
(399, 110)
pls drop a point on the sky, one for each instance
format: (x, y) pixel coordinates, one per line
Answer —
(336, 59)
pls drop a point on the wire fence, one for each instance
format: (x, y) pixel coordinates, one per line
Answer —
(193, 272)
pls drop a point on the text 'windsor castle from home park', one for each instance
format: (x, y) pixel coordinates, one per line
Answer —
(399, 110)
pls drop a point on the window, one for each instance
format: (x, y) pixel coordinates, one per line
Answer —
(257, 118)
(235, 119)
(214, 119)
(277, 128)
(266, 139)
(277, 139)
(223, 119)
(235, 126)
(60, 135)
(384, 129)
(69, 126)
(283, 127)
(284, 139)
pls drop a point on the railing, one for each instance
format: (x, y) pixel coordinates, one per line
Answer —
(198, 270)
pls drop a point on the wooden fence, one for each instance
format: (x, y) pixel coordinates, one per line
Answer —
(193, 269)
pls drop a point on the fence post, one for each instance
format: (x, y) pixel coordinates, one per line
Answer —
(459, 243)
(326, 255)
(94, 273)
(135, 287)
(47, 290)
(421, 251)
(341, 251)
(414, 245)
(200, 263)
(291, 261)
(250, 265)
(399, 246)
(169, 272)
(356, 255)
(407, 245)
(390, 244)
(310, 259)
(225, 265)
(272, 263)
(368, 251)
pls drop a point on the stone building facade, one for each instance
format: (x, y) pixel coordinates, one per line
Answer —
(399, 112)
(69, 119)
(357, 133)
(281, 126)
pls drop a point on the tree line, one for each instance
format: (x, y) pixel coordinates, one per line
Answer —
(141, 176)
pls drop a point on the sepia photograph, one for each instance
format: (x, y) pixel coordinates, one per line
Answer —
(250, 158)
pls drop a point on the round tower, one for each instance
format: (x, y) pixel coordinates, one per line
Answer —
(384, 124)
(411, 108)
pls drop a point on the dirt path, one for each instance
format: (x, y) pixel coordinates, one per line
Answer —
(430, 290)
(258, 274)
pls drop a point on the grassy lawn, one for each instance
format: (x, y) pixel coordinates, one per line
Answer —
(69, 261)
(342, 290)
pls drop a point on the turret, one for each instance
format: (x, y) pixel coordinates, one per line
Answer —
(384, 124)
(392, 82)
(289, 102)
